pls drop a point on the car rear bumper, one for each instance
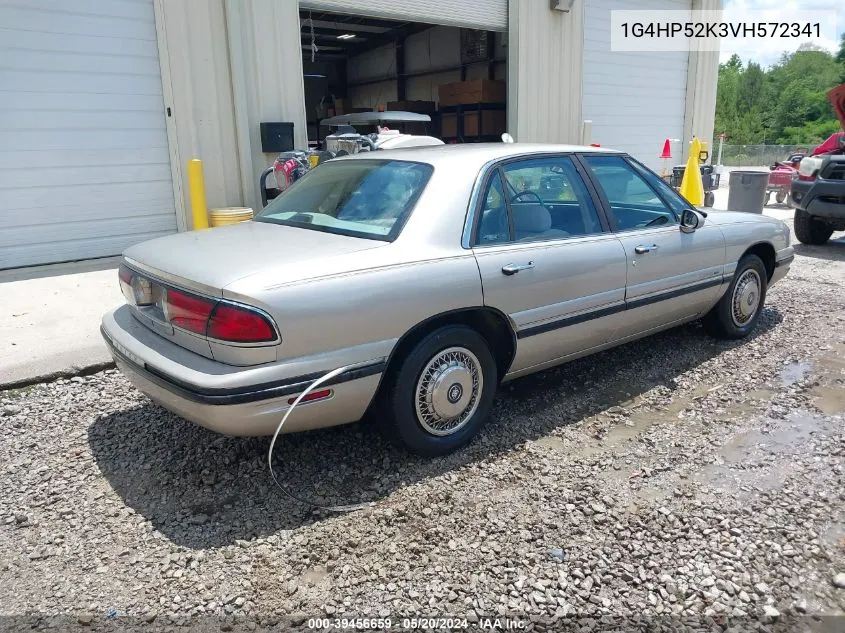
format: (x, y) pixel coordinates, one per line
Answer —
(253, 406)
(821, 198)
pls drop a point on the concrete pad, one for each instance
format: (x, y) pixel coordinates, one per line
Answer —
(50, 320)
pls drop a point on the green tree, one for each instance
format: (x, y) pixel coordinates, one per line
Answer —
(785, 103)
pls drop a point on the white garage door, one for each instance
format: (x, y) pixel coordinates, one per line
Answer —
(490, 15)
(635, 100)
(84, 161)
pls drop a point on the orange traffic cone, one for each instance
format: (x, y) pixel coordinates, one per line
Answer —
(666, 155)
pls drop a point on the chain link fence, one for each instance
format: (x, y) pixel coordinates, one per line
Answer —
(755, 155)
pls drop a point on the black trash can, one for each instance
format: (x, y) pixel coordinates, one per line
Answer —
(707, 176)
(747, 191)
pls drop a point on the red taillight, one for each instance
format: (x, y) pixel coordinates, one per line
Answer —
(314, 395)
(239, 325)
(188, 312)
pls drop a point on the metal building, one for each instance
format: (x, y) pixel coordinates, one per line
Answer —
(104, 101)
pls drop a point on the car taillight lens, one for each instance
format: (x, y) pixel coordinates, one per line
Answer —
(124, 274)
(239, 325)
(125, 277)
(188, 312)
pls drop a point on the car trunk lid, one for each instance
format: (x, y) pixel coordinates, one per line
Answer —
(196, 267)
(208, 261)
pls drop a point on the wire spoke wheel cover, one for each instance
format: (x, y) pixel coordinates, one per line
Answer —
(448, 391)
(746, 297)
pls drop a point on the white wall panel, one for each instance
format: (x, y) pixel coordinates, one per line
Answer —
(544, 72)
(83, 98)
(635, 100)
(200, 83)
(266, 62)
(702, 82)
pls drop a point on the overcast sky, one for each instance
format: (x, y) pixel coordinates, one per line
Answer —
(767, 51)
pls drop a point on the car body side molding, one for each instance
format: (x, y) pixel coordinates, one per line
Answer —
(627, 305)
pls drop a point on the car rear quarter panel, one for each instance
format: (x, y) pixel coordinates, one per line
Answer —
(371, 308)
(373, 297)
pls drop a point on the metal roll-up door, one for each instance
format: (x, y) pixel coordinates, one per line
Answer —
(635, 100)
(489, 15)
(84, 158)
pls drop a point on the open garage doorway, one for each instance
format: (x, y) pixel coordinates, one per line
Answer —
(357, 63)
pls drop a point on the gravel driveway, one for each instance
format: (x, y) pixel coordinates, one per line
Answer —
(674, 482)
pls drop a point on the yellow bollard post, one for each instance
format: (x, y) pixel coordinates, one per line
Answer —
(196, 185)
(692, 186)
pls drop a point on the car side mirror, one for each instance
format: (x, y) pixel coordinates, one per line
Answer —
(691, 220)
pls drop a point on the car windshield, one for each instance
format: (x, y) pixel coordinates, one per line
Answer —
(361, 198)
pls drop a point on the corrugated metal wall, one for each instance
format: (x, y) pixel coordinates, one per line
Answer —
(545, 50)
(201, 88)
(702, 82)
(266, 63)
(432, 49)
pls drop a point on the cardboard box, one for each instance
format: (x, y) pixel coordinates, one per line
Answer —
(422, 107)
(448, 94)
(448, 125)
(468, 92)
(492, 122)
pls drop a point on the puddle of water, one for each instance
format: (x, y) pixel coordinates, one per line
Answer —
(550, 441)
(793, 372)
(830, 393)
(745, 459)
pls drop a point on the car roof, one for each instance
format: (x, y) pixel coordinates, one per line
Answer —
(477, 153)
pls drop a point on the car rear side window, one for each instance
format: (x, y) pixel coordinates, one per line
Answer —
(360, 198)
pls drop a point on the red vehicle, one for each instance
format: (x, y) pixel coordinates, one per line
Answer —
(780, 178)
(818, 190)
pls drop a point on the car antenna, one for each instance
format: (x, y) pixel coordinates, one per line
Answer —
(288, 493)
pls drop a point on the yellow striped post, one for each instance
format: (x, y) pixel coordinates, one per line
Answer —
(196, 185)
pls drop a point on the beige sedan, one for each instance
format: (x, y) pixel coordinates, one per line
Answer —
(422, 279)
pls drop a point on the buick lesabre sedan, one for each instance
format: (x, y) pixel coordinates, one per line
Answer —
(429, 276)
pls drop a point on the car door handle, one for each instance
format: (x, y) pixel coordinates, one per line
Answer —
(645, 248)
(512, 269)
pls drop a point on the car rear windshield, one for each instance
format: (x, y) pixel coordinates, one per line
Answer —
(357, 197)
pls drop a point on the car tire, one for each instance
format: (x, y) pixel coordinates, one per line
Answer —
(810, 230)
(709, 199)
(440, 394)
(738, 311)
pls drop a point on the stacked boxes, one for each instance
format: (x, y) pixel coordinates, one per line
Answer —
(472, 108)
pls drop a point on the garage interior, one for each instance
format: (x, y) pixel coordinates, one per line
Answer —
(354, 63)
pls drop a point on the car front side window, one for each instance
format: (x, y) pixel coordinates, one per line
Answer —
(633, 203)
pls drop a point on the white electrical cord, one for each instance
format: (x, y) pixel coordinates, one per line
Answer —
(337, 508)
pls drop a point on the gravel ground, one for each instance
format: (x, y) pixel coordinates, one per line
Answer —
(673, 483)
